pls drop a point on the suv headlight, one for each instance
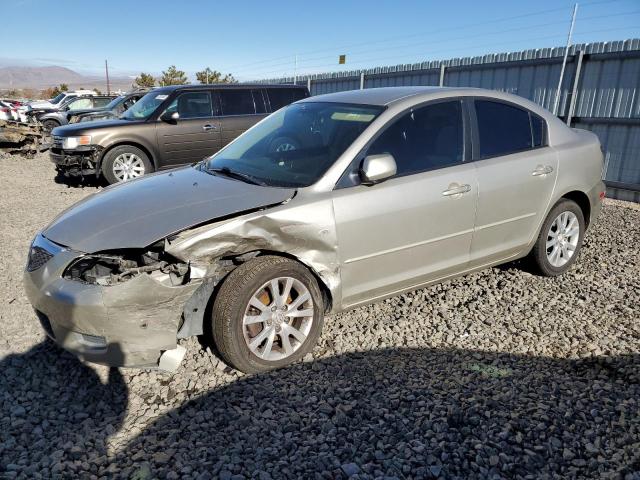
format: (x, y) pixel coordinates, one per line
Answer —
(69, 143)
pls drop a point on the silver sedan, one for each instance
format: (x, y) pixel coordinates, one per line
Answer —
(330, 203)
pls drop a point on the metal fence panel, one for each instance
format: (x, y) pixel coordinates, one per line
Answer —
(607, 97)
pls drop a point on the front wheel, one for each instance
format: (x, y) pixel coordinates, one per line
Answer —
(267, 314)
(560, 239)
(124, 163)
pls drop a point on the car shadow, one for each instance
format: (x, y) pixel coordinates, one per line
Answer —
(406, 413)
(90, 181)
(57, 414)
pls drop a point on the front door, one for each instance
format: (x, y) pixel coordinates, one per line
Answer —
(196, 134)
(417, 226)
(516, 177)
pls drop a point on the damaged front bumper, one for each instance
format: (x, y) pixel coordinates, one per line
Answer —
(128, 324)
(81, 161)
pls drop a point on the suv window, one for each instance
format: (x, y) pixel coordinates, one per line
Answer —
(101, 102)
(281, 97)
(192, 105)
(236, 102)
(426, 138)
(502, 128)
(80, 103)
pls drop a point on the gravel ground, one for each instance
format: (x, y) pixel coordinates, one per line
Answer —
(500, 374)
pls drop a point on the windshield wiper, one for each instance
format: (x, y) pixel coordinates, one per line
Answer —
(245, 177)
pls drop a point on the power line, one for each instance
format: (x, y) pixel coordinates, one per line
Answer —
(380, 59)
(431, 42)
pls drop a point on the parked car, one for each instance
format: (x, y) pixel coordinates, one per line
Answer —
(113, 110)
(57, 101)
(378, 192)
(55, 118)
(168, 127)
(6, 111)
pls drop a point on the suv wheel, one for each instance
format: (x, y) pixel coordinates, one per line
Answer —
(268, 313)
(125, 163)
(49, 125)
(560, 239)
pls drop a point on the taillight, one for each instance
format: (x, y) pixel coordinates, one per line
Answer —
(602, 195)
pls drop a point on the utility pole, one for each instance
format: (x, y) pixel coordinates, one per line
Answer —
(106, 69)
(556, 102)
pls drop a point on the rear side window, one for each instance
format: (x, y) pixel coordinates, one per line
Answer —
(426, 138)
(237, 102)
(281, 97)
(101, 102)
(502, 128)
(538, 131)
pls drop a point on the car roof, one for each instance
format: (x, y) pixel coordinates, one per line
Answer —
(382, 96)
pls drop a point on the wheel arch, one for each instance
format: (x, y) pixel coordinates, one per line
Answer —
(131, 143)
(582, 199)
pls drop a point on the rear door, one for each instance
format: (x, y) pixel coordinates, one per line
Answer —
(194, 135)
(516, 176)
(241, 108)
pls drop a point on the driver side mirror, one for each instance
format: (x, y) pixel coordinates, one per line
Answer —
(376, 168)
(170, 117)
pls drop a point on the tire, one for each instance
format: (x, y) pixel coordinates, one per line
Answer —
(49, 125)
(547, 262)
(114, 164)
(232, 337)
(283, 144)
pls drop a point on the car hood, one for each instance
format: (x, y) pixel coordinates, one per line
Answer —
(85, 128)
(138, 213)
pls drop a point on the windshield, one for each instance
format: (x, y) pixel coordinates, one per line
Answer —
(57, 98)
(114, 103)
(144, 107)
(296, 145)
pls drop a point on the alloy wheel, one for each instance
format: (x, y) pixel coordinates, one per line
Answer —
(127, 166)
(278, 318)
(562, 239)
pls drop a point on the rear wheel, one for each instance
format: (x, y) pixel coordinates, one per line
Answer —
(268, 313)
(125, 162)
(560, 239)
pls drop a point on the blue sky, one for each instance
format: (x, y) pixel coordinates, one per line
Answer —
(260, 39)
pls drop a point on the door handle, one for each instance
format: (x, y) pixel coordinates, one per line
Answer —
(456, 189)
(208, 127)
(542, 170)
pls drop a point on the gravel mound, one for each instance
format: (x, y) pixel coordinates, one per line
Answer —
(500, 374)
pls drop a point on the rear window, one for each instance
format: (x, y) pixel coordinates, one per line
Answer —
(281, 97)
(237, 102)
(538, 131)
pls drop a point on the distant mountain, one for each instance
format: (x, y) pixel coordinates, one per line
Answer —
(43, 77)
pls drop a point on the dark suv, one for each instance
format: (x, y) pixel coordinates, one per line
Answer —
(168, 127)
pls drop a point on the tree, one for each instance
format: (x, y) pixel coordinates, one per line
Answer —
(97, 91)
(213, 76)
(63, 87)
(144, 80)
(172, 76)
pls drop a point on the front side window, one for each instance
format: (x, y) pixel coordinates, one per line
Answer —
(192, 105)
(502, 129)
(295, 146)
(236, 102)
(426, 138)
